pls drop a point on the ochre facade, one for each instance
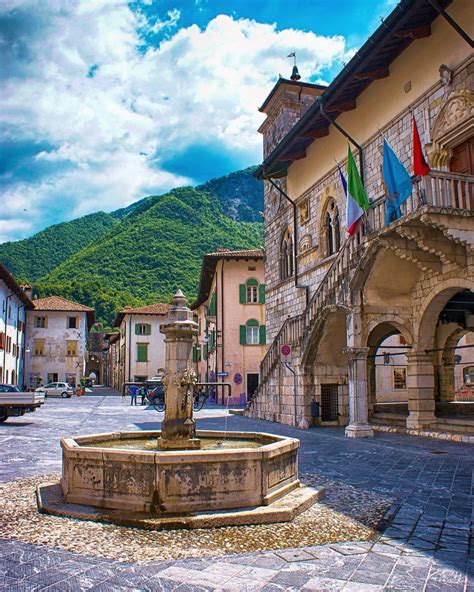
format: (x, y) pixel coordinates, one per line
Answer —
(335, 299)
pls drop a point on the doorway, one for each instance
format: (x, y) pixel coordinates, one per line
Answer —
(329, 402)
(252, 385)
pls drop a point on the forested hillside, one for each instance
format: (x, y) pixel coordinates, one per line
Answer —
(33, 257)
(150, 253)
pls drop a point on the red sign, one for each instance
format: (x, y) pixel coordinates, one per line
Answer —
(285, 353)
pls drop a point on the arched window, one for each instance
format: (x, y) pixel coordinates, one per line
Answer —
(286, 256)
(332, 229)
(251, 291)
(252, 333)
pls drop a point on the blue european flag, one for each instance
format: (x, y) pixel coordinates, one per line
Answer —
(397, 181)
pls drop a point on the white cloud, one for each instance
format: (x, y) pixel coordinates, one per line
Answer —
(111, 132)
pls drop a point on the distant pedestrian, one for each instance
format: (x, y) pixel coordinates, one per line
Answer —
(133, 394)
(143, 392)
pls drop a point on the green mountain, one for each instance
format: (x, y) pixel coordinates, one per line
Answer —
(150, 253)
(36, 256)
(140, 254)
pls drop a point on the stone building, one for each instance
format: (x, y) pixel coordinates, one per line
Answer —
(141, 346)
(111, 361)
(335, 299)
(57, 331)
(231, 314)
(14, 303)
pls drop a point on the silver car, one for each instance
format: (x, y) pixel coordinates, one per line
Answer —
(56, 389)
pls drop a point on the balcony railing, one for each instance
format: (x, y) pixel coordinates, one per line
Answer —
(438, 189)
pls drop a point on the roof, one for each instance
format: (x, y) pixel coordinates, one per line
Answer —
(60, 304)
(11, 283)
(410, 20)
(208, 269)
(149, 309)
(286, 82)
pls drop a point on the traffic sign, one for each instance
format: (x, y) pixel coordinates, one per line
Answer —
(285, 353)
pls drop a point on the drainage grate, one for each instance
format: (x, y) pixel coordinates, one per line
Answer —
(437, 452)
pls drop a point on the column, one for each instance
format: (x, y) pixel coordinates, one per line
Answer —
(421, 401)
(178, 427)
(358, 405)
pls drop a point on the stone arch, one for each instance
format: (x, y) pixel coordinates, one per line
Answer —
(378, 331)
(317, 330)
(287, 254)
(446, 383)
(431, 307)
(453, 125)
(330, 224)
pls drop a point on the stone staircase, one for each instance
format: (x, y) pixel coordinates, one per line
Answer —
(426, 213)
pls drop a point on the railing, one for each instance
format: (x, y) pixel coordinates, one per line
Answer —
(438, 189)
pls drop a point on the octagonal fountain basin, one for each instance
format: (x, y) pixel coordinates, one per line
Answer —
(127, 471)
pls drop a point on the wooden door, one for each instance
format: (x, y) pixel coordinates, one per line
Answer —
(463, 158)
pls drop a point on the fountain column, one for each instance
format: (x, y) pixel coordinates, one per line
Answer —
(178, 427)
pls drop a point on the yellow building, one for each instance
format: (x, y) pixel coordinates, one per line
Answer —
(336, 299)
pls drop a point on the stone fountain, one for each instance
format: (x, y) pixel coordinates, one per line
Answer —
(179, 477)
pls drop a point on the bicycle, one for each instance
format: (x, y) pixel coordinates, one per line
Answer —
(200, 398)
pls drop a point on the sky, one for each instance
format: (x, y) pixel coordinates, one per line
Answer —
(103, 102)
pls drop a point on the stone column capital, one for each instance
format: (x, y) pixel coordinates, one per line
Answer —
(356, 353)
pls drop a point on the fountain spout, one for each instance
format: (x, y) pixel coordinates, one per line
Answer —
(178, 427)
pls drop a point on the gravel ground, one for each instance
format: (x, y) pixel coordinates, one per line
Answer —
(346, 514)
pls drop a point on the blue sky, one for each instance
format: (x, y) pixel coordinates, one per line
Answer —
(106, 101)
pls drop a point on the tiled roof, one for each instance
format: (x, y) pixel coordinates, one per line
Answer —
(157, 308)
(244, 254)
(60, 304)
(150, 309)
(209, 264)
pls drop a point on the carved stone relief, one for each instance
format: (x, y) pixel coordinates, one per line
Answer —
(454, 124)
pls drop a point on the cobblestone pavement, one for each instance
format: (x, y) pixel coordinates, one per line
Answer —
(425, 547)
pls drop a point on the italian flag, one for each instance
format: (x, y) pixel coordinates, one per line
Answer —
(357, 202)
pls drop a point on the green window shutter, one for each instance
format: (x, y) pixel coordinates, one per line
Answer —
(212, 340)
(261, 293)
(142, 352)
(263, 334)
(194, 354)
(213, 305)
(242, 293)
(148, 330)
(137, 329)
(243, 335)
(205, 351)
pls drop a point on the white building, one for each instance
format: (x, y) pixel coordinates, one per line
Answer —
(142, 346)
(13, 304)
(57, 331)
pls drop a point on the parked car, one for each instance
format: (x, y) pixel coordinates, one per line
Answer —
(56, 389)
(14, 403)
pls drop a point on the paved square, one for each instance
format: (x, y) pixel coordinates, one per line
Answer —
(425, 547)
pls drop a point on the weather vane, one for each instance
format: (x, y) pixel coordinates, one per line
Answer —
(295, 75)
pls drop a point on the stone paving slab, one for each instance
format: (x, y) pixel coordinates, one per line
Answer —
(426, 547)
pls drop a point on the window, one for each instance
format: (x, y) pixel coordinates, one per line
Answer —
(38, 347)
(9, 344)
(213, 305)
(252, 292)
(286, 256)
(14, 350)
(71, 348)
(399, 378)
(252, 333)
(72, 322)
(142, 352)
(2, 340)
(53, 378)
(142, 329)
(41, 322)
(468, 375)
(196, 353)
(332, 229)
(71, 379)
(35, 380)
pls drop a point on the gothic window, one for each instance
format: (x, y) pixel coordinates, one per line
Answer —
(286, 256)
(332, 229)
